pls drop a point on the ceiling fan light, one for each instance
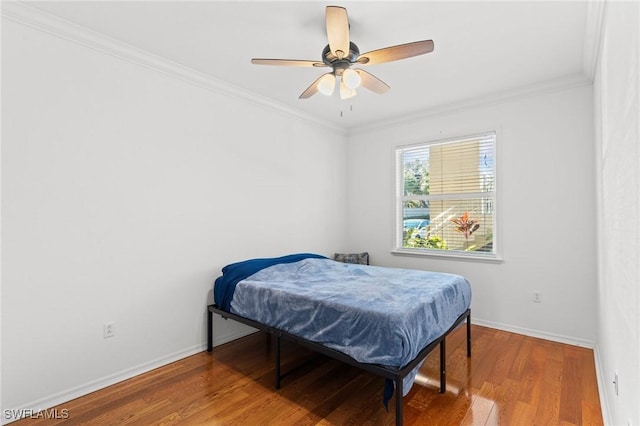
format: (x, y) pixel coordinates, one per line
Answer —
(345, 92)
(351, 78)
(327, 84)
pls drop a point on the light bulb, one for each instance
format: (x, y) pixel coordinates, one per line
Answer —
(326, 84)
(345, 92)
(351, 78)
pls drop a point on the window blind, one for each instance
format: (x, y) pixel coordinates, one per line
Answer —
(452, 185)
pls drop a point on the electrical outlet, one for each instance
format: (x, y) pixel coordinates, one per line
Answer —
(108, 330)
(537, 296)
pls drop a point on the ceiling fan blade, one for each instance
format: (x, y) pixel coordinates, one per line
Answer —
(313, 89)
(287, 62)
(395, 53)
(371, 82)
(337, 23)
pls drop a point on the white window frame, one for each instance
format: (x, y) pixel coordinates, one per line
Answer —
(399, 199)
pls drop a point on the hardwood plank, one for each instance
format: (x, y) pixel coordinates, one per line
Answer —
(571, 390)
(532, 373)
(481, 407)
(523, 414)
(549, 401)
(510, 379)
(505, 353)
(506, 399)
(452, 407)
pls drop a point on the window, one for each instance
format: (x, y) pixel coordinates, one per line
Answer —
(446, 197)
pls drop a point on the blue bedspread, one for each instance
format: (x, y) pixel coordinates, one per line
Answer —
(225, 285)
(373, 314)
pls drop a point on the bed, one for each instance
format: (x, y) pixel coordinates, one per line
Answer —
(384, 320)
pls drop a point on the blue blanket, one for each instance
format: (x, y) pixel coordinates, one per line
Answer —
(373, 314)
(225, 285)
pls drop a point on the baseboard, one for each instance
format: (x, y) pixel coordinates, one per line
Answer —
(536, 333)
(602, 379)
(101, 383)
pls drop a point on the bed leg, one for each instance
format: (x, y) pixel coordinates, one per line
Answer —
(277, 357)
(469, 335)
(209, 330)
(443, 371)
(399, 414)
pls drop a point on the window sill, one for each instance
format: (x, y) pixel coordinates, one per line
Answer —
(490, 258)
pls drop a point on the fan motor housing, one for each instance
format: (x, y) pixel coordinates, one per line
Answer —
(339, 65)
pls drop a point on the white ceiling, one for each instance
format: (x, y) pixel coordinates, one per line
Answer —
(481, 48)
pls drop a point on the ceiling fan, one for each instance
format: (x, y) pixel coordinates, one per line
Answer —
(341, 54)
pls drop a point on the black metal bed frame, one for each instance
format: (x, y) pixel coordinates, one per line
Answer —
(392, 373)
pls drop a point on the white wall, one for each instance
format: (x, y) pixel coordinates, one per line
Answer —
(124, 191)
(617, 113)
(547, 210)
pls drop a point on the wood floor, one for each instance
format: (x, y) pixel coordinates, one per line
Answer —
(509, 380)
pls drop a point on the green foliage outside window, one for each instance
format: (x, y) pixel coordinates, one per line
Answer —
(416, 178)
(412, 239)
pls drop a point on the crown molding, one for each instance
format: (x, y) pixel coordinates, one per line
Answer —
(33, 17)
(546, 87)
(594, 28)
(30, 16)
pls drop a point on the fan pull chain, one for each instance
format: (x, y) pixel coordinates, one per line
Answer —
(342, 112)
